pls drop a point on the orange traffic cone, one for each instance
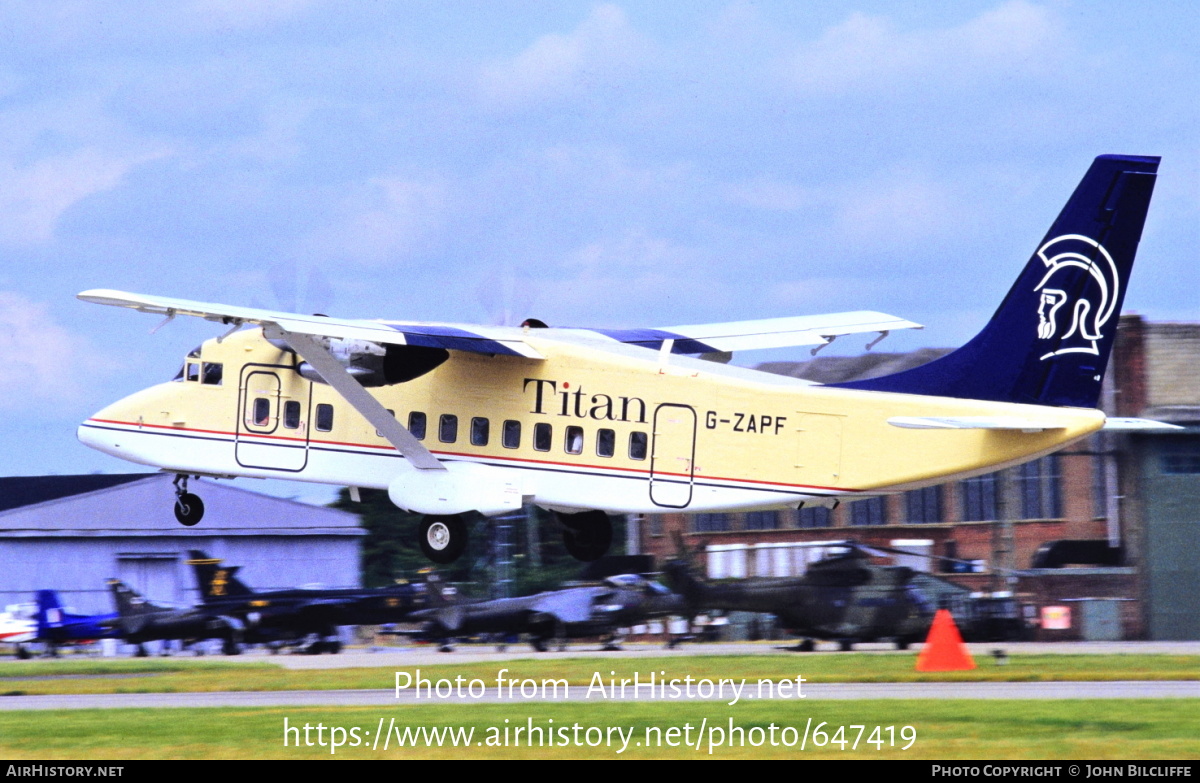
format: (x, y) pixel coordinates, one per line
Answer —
(944, 650)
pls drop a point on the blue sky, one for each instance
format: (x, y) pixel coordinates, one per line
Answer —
(597, 164)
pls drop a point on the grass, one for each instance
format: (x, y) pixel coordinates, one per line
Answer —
(1000, 729)
(173, 675)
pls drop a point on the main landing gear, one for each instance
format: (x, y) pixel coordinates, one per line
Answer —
(189, 508)
(587, 535)
(443, 538)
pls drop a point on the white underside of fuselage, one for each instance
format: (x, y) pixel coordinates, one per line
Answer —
(557, 485)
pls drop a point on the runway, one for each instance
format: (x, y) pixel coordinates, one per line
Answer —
(428, 655)
(409, 658)
(810, 692)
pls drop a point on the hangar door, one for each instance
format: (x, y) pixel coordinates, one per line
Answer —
(153, 574)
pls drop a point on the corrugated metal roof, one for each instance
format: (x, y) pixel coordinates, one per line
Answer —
(18, 491)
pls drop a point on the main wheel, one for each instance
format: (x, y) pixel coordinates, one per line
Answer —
(587, 536)
(443, 538)
(189, 509)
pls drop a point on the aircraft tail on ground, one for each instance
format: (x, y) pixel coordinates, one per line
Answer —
(215, 580)
(1050, 339)
(50, 614)
(129, 602)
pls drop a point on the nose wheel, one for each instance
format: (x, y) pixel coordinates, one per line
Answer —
(443, 538)
(189, 508)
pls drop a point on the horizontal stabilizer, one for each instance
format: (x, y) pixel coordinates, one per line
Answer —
(1022, 423)
(1126, 424)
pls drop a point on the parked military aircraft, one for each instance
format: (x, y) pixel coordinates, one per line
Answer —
(140, 621)
(557, 615)
(842, 597)
(293, 615)
(56, 626)
(624, 420)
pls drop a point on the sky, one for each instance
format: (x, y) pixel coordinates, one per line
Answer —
(589, 164)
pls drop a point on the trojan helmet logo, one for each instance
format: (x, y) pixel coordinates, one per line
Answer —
(1077, 325)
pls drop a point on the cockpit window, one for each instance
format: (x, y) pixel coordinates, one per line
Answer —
(211, 373)
(193, 372)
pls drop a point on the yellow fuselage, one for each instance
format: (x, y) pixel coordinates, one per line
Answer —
(620, 428)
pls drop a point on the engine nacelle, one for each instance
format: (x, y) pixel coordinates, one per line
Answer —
(373, 364)
(462, 487)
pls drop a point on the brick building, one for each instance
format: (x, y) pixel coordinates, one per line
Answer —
(1123, 509)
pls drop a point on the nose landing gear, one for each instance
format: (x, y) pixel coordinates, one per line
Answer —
(189, 508)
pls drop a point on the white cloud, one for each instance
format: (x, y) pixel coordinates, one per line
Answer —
(770, 194)
(34, 196)
(383, 221)
(896, 207)
(42, 361)
(242, 15)
(602, 46)
(632, 279)
(868, 51)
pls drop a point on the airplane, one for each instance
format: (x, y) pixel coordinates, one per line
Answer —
(842, 597)
(456, 419)
(18, 630)
(56, 626)
(592, 610)
(293, 615)
(140, 621)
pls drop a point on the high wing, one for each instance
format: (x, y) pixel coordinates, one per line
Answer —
(762, 333)
(482, 339)
(304, 334)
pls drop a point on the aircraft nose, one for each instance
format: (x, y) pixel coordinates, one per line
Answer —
(94, 434)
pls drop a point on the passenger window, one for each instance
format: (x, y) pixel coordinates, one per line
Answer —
(574, 442)
(479, 431)
(416, 425)
(212, 372)
(324, 417)
(291, 414)
(606, 443)
(262, 412)
(448, 428)
(637, 445)
(543, 434)
(512, 434)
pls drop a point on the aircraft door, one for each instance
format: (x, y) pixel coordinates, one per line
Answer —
(673, 456)
(272, 422)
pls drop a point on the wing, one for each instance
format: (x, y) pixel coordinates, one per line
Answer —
(762, 333)
(482, 339)
(302, 334)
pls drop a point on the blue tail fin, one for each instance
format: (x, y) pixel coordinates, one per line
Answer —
(1049, 341)
(50, 614)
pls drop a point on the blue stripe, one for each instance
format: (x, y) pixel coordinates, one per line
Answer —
(452, 339)
(653, 338)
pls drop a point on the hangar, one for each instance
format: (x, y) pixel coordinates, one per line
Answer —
(71, 533)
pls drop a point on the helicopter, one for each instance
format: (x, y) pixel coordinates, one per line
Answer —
(844, 597)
